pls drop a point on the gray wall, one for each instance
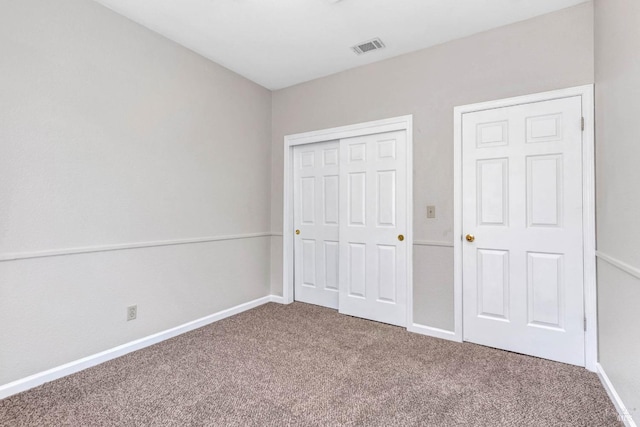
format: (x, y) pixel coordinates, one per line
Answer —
(617, 65)
(111, 134)
(549, 52)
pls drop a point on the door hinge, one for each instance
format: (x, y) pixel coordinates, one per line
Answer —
(582, 123)
(585, 324)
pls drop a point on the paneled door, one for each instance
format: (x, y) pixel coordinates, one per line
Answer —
(316, 214)
(522, 229)
(373, 200)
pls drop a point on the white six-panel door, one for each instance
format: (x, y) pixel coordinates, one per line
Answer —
(522, 214)
(373, 199)
(316, 218)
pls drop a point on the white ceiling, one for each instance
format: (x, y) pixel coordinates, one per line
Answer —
(279, 43)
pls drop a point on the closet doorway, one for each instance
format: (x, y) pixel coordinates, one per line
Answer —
(348, 220)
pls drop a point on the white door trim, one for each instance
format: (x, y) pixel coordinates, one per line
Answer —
(378, 126)
(588, 187)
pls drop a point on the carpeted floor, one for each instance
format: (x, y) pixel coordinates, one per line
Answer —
(305, 365)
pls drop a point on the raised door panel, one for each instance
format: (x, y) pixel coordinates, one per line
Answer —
(387, 268)
(308, 159)
(386, 198)
(331, 197)
(331, 265)
(492, 192)
(356, 196)
(493, 284)
(544, 190)
(330, 156)
(309, 262)
(387, 149)
(545, 285)
(545, 128)
(358, 153)
(492, 134)
(357, 268)
(308, 200)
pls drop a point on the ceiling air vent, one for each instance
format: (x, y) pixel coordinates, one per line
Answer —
(368, 46)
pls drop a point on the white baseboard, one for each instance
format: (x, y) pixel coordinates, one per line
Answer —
(433, 332)
(277, 298)
(40, 378)
(623, 414)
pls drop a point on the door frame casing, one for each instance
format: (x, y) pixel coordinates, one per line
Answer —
(360, 129)
(588, 206)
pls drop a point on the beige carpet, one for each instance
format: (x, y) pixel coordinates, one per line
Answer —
(305, 365)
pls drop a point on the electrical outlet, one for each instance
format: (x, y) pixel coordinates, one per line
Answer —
(431, 211)
(132, 312)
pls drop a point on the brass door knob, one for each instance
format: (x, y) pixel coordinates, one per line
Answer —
(470, 238)
(400, 237)
(297, 231)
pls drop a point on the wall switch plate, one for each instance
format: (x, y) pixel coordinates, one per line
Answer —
(132, 312)
(431, 211)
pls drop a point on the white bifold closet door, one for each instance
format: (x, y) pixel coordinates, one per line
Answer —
(350, 218)
(316, 215)
(373, 221)
(522, 217)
